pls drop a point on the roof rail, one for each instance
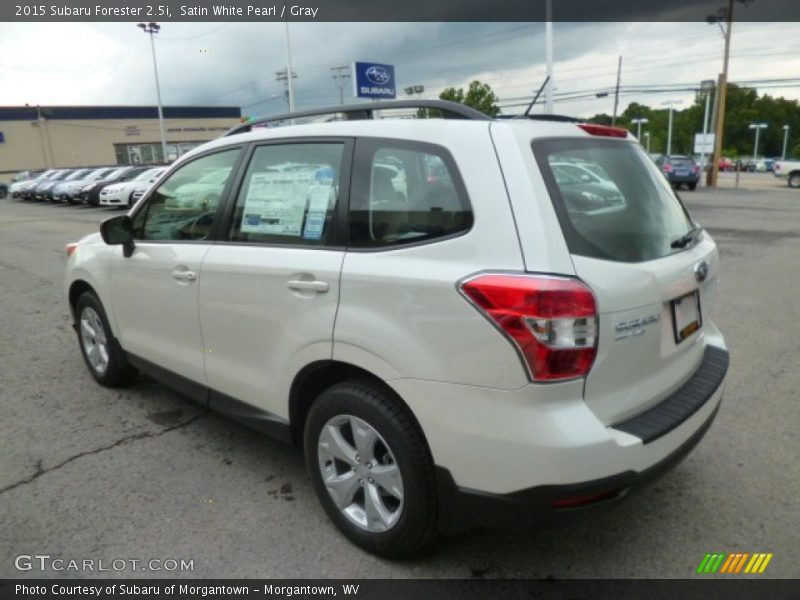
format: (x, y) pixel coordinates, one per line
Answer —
(354, 112)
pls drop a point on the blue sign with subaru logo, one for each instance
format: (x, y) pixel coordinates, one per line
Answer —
(373, 80)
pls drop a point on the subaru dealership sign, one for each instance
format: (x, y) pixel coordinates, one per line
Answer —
(373, 80)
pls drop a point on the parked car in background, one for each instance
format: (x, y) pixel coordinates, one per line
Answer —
(680, 170)
(726, 164)
(769, 163)
(90, 193)
(141, 188)
(44, 191)
(3, 189)
(25, 187)
(472, 349)
(121, 193)
(75, 175)
(20, 179)
(69, 191)
(37, 190)
(789, 169)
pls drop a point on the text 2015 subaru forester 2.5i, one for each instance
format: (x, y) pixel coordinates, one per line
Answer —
(454, 330)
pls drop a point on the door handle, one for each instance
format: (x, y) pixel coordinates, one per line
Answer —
(307, 286)
(184, 275)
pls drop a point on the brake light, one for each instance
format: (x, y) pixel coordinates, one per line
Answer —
(667, 168)
(71, 248)
(697, 168)
(552, 321)
(604, 130)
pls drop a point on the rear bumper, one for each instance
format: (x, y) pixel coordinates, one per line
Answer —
(695, 403)
(461, 508)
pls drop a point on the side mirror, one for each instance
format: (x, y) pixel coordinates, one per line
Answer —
(119, 231)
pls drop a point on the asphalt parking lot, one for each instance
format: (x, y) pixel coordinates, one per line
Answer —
(91, 473)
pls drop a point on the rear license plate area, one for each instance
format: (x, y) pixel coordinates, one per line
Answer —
(686, 315)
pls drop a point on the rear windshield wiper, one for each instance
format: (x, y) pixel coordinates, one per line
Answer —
(687, 239)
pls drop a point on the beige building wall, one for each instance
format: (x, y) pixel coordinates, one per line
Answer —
(65, 143)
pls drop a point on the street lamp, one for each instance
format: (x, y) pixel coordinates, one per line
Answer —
(758, 127)
(647, 137)
(785, 141)
(153, 28)
(638, 122)
(671, 104)
(706, 87)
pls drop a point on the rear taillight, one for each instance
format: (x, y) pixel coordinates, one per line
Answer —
(697, 168)
(667, 168)
(552, 321)
(604, 130)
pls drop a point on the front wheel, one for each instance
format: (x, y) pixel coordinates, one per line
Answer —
(101, 352)
(371, 469)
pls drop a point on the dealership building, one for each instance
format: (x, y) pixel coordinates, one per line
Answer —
(40, 137)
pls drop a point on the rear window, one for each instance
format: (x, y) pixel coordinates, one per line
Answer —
(686, 163)
(612, 202)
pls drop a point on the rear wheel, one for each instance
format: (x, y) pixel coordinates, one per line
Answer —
(371, 469)
(794, 180)
(692, 187)
(101, 352)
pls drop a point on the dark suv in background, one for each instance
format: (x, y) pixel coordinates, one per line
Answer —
(680, 170)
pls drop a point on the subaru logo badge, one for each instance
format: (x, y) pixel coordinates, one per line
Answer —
(701, 271)
(378, 75)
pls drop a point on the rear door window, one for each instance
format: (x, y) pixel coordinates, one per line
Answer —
(404, 193)
(612, 202)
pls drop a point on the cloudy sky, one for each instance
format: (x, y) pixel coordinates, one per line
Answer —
(234, 64)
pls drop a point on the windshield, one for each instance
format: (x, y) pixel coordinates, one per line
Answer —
(76, 175)
(612, 202)
(115, 173)
(145, 175)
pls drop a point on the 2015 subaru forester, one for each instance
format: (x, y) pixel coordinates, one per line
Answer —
(462, 320)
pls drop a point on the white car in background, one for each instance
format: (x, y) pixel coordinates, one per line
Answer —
(122, 193)
(68, 191)
(142, 186)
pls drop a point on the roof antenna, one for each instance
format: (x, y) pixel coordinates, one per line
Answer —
(536, 97)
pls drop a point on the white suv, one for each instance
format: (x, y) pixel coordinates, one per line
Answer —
(456, 333)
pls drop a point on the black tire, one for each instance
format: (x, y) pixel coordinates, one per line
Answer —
(117, 372)
(416, 524)
(794, 180)
(692, 187)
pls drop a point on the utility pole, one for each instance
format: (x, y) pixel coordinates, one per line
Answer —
(282, 76)
(722, 90)
(340, 74)
(289, 86)
(548, 41)
(616, 92)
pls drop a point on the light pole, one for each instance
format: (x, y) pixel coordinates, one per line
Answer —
(647, 137)
(671, 104)
(638, 121)
(705, 86)
(785, 141)
(758, 127)
(153, 28)
(548, 42)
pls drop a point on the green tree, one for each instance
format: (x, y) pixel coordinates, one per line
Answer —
(478, 95)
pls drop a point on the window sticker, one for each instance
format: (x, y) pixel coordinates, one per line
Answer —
(276, 202)
(319, 199)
